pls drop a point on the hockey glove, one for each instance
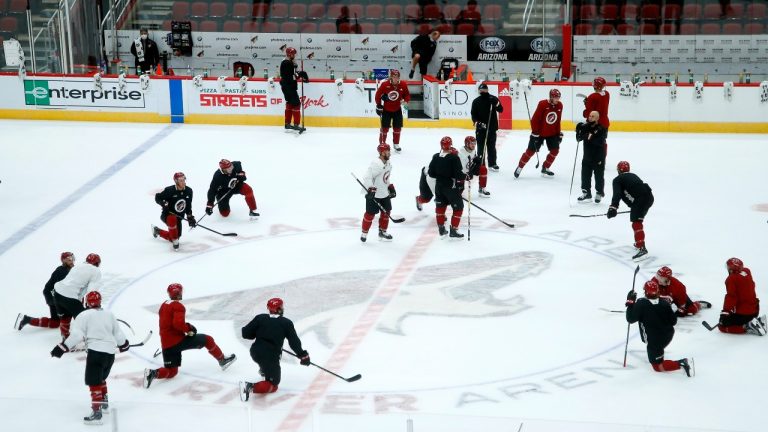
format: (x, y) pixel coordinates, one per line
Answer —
(192, 222)
(612, 212)
(59, 350)
(392, 191)
(209, 209)
(164, 205)
(124, 347)
(304, 358)
(371, 193)
(481, 125)
(723, 316)
(192, 330)
(631, 297)
(304, 77)
(379, 110)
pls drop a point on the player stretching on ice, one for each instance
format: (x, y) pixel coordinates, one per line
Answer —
(380, 194)
(228, 180)
(176, 202)
(269, 332)
(741, 306)
(391, 94)
(67, 261)
(671, 287)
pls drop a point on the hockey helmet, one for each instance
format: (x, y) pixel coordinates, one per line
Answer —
(734, 265)
(663, 275)
(623, 166)
(470, 140)
(93, 259)
(65, 255)
(446, 142)
(290, 51)
(394, 73)
(93, 299)
(175, 291)
(275, 305)
(651, 289)
(224, 165)
(598, 83)
(381, 148)
(179, 175)
(554, 94)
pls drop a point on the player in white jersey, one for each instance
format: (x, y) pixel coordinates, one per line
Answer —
(473, 165)
(99, 330)
(380, 193)
(68, 293)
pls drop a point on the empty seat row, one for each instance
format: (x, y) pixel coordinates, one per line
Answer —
(329, 27)
(670, 29)
(611, 12)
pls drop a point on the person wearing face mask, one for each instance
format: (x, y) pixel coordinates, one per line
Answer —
(593, 134)
(145, 51)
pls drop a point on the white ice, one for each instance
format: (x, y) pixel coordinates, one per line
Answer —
(500, 333)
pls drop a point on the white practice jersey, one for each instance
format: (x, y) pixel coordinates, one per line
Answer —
(466, 157)
(378, 177)
(430, 180)
(81, 279)
(99, 330)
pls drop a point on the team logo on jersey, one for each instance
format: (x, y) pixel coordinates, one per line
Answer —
(551, 117)
(393, 95)
(232, 183)
(180, 205)
(385, 177)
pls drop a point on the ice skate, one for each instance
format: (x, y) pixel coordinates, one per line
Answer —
(761, 319)
(155, 231)
(585, 197)
(599, 197)
(227, 361)
(442, 231)
(253, 215)
(94, 418)
(21, 321)
(686, 366)
(397, 147)
(455, 234)
(418, 204)
(364, 237)
(176, 245)
(384, 236)
(754, 327)
(545, 172)
(245, 390)
(641, 252)
(518, 170)
(494, 168)
(483, 193)
(149, 376)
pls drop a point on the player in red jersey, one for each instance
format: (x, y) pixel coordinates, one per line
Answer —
(599, 101)
(671, 288)
(741, 306)
(177, 335)
(545, 126)
(392, 93)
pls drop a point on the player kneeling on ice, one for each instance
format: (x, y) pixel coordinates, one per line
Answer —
(177, 335)
(672, 289)
(67, 262)
(426, 189)
(269, 331)
(68, 293)
(473, 165)
(378, 199)
(446, 168)
(593, 135)
(228, 180)
(657, 326)
(176, 202)
(99, 330)
(628, 187)
(741, 306)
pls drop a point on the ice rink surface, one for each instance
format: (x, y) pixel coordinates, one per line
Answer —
(501, 333)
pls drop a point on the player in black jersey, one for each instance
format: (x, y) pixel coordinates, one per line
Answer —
(289, 86)
(629, 188)
(228, 180)
(269, 331)
(449, 176)
(176, 202)
(657, 326)
(67, 261)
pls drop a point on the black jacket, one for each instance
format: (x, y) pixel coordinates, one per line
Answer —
(288, 74)
(269, 332)
(221, 183)
(629, 188)
(58, 275)
(424, 46)
(657, 320)
(594, 137)
(179, 201)
(151, 54)
(447, 171)
(481, 110)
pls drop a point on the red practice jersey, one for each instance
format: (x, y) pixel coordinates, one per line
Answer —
(546, 119)
(740, 294)
(676, 290)
(389, 95)
(598, 102)
(173, 323)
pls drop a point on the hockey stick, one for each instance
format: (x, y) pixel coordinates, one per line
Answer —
(488, 213)
(626, 345)
(529, 121)
(581, 95)
(485, 141)
(596, 215)
(214, 231)
(143, 341)
(301, 107)
(612, 311)
(395, 220)
(709, 327)
(350, 379)
(217, 203)
(469, 211)
(573, 174)
(127, 325)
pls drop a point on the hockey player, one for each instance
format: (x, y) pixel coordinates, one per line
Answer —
(268, 332)
(426, 189)
(671, 288)
(176, 202)
(545, 126)
(99, 330)
(177, 335)
(598, 101)
(486, 106)
(68, 293)
(288, 84)
(67, 261)
(741, 306)
(380, 193)
(473, 165)
(446, 168)
(390, 96)
(593, 134)
(657, 326)
(638, 196)
(229, 179)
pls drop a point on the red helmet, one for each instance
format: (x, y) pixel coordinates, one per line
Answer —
(651, 289)
(623, 166)
(93, 299)
(275, 305)
(290, 51)
(470, 140)
(734, 265)
(224, 164)
(664, 272)
(394, 73)
(179, 175)
(598, 83)
(446, 143)
(65, 255)
(381, 148)
(175, 290)
(93, 259)
(554, 93)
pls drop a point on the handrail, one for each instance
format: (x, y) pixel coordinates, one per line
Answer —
(527, 12)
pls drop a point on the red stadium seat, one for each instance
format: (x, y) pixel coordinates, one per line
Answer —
(710, 29)
(610, 12)
(648, 29)
(626, 29)
(432, 12)
(604, 29)
(583, 29)
(367, 28)
(232, 26)
(209, 26)
(261, 10)
(297, 11)
(327, 27)
(270, 27)
(199, 10)
(278, 11)
(711, 11)
(691, 11)
(667, 29)
(629, 12)
(374, 12)
(333, 11)
(289, 27)
(650, 12)
(194, 25)
(445, 28)
(316, 11)
(492, 12)
(756, 11)
(393, 12)
(406, 28)
(735, 11)
(487, 29)
(217, 10)
(588, 12)
(465, 29)
(356, 8)
(345, 28)
(166, 26)
(386, 28)
(17, 7)
(688, 29)
(424, 28)
(412, 12)
(180, 11)
(671, 12)
(754, 28)
(242, 10)
(732, 28)
(252, 27)
(451, 11)
(8, 24)
(308, 27)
